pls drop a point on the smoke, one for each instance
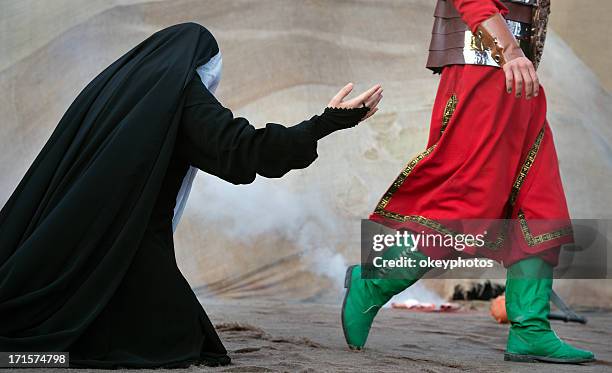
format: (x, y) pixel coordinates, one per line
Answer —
(305, 217)
(268, 207)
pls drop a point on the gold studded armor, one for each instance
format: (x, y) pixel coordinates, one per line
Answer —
(453, 43)
(538, 31)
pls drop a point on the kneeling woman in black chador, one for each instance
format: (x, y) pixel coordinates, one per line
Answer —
(86, 253)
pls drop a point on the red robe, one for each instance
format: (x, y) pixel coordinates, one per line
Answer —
(489, 156)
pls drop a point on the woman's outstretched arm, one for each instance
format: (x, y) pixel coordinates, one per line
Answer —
(216, 142)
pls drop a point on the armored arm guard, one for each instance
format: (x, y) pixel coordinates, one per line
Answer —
(453, 43)
(494, 35)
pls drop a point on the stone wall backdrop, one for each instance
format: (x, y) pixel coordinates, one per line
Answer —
(283, 60)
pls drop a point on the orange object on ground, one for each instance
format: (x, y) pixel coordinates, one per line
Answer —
(498, 309)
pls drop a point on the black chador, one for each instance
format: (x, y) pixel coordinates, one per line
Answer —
(87, 259)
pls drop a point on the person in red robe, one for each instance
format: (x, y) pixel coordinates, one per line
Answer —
(490, 158)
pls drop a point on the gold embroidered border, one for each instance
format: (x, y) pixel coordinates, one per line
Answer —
(545, 237)
(449, 109)
(520, 179)
(436, 226)
(516, 188)
(402, 177)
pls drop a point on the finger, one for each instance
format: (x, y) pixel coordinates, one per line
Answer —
(509, 78)
(375, 98)
(339, 97)
(370, 113)
(527, 82)
(518, 81)
(357, 101)
(536, 81)
(372, 109)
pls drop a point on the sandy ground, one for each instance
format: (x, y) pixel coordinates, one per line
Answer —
(275, 336)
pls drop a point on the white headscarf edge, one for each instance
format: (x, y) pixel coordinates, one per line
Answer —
(210, 73)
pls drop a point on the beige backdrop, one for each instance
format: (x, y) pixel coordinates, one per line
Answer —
(584, 25)
(283, 60)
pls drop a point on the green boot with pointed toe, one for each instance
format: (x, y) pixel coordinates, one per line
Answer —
(364, 297)
(531, 339)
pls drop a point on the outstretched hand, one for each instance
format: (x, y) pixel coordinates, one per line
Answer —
(370, 98)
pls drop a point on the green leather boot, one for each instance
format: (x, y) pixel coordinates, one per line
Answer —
(528, 288)
(364, 297)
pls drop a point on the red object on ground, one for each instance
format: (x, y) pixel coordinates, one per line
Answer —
(414, 305)
(498, 309)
